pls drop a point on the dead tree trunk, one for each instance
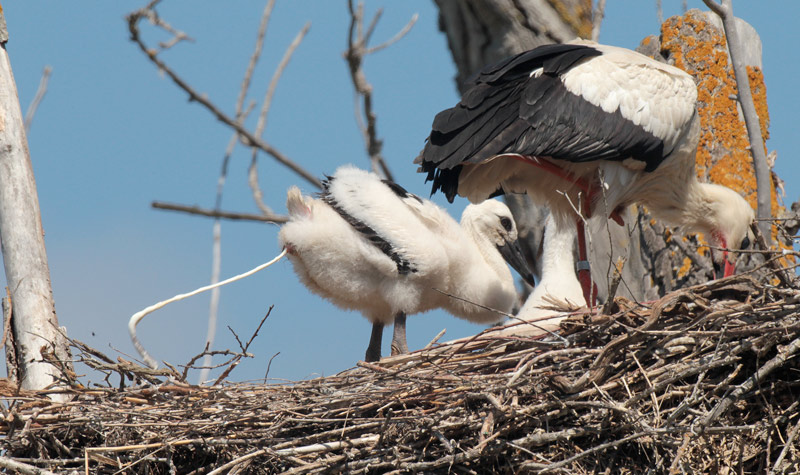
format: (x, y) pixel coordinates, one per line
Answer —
(33, 317)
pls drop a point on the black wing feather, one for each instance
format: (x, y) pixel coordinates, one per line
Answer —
(505, 110)
(404, 266)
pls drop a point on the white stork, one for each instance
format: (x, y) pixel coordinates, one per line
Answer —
(600, 124)
(367, 244)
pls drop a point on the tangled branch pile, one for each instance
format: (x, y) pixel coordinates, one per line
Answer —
(704, 380)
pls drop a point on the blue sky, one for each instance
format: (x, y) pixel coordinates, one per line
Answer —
(112, 135)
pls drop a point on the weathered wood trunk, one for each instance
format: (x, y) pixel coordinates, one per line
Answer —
(33, 318)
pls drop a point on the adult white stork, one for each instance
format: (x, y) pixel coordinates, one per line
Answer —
(600, 124)
(558, 291)
(367, 244)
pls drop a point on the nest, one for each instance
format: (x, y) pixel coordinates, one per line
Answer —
(705, 379)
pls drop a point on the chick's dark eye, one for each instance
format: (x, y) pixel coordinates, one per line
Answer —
(745, 243)
(506, 222)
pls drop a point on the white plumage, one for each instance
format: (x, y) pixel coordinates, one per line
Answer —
(558, 291)
(608, 124)
(369, 245)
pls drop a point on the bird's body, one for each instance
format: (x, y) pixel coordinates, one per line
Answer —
(369, 245)
(611, 125)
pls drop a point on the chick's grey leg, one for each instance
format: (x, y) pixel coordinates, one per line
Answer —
(399, 345)
(374, 348)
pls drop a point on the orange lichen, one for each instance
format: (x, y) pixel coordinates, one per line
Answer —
(578, 17)
(685, 267)
(723, 154)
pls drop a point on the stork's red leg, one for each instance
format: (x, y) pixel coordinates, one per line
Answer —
(584, 271)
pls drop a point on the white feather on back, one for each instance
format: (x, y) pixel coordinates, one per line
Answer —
(659, 97)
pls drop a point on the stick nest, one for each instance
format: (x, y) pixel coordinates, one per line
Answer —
(704, 380)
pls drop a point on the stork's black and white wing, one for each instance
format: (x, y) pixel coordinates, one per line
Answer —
(398, 223)
(572, 102)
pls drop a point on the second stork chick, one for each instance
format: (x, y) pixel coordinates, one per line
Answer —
(367, 244)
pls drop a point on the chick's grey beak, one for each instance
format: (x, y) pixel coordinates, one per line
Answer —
(512, 253)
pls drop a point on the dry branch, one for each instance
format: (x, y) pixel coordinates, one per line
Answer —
(762, 170)
(248, 138)
(358, 48)
(218, 213)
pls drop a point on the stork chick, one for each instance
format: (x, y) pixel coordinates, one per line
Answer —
(369, 245)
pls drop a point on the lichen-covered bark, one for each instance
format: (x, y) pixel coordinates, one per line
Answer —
(696, 43)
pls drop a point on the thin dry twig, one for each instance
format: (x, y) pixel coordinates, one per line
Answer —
(37, 98)
(358, 48)
(248, 138)
(196, 210)
(216, 247)
(262, 118)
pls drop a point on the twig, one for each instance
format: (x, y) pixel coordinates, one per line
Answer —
(37, 99)
(137, 317)
(248, 138)
(216, 247)
(262, 118)
(22, 468)
(357, 49)
(218, 214)
(774, 264)
(326, 447)
(237, 461)
(612, 288)
(787, 446)
(432, 342)
(778, 361)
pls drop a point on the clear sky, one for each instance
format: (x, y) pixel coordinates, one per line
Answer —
(112, 135)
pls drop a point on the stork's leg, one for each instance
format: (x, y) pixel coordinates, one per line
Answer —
(399, 345)
(584, 271)
(374, 348)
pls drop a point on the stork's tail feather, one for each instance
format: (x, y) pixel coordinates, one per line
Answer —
(296, 204)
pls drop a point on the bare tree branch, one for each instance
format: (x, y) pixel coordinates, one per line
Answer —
(659, 12)
(597, 18)
(751, 119)
(37, 99)
(248, 138)
(219, 214)
(251, 65)
(262, 118)
(357, 49)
